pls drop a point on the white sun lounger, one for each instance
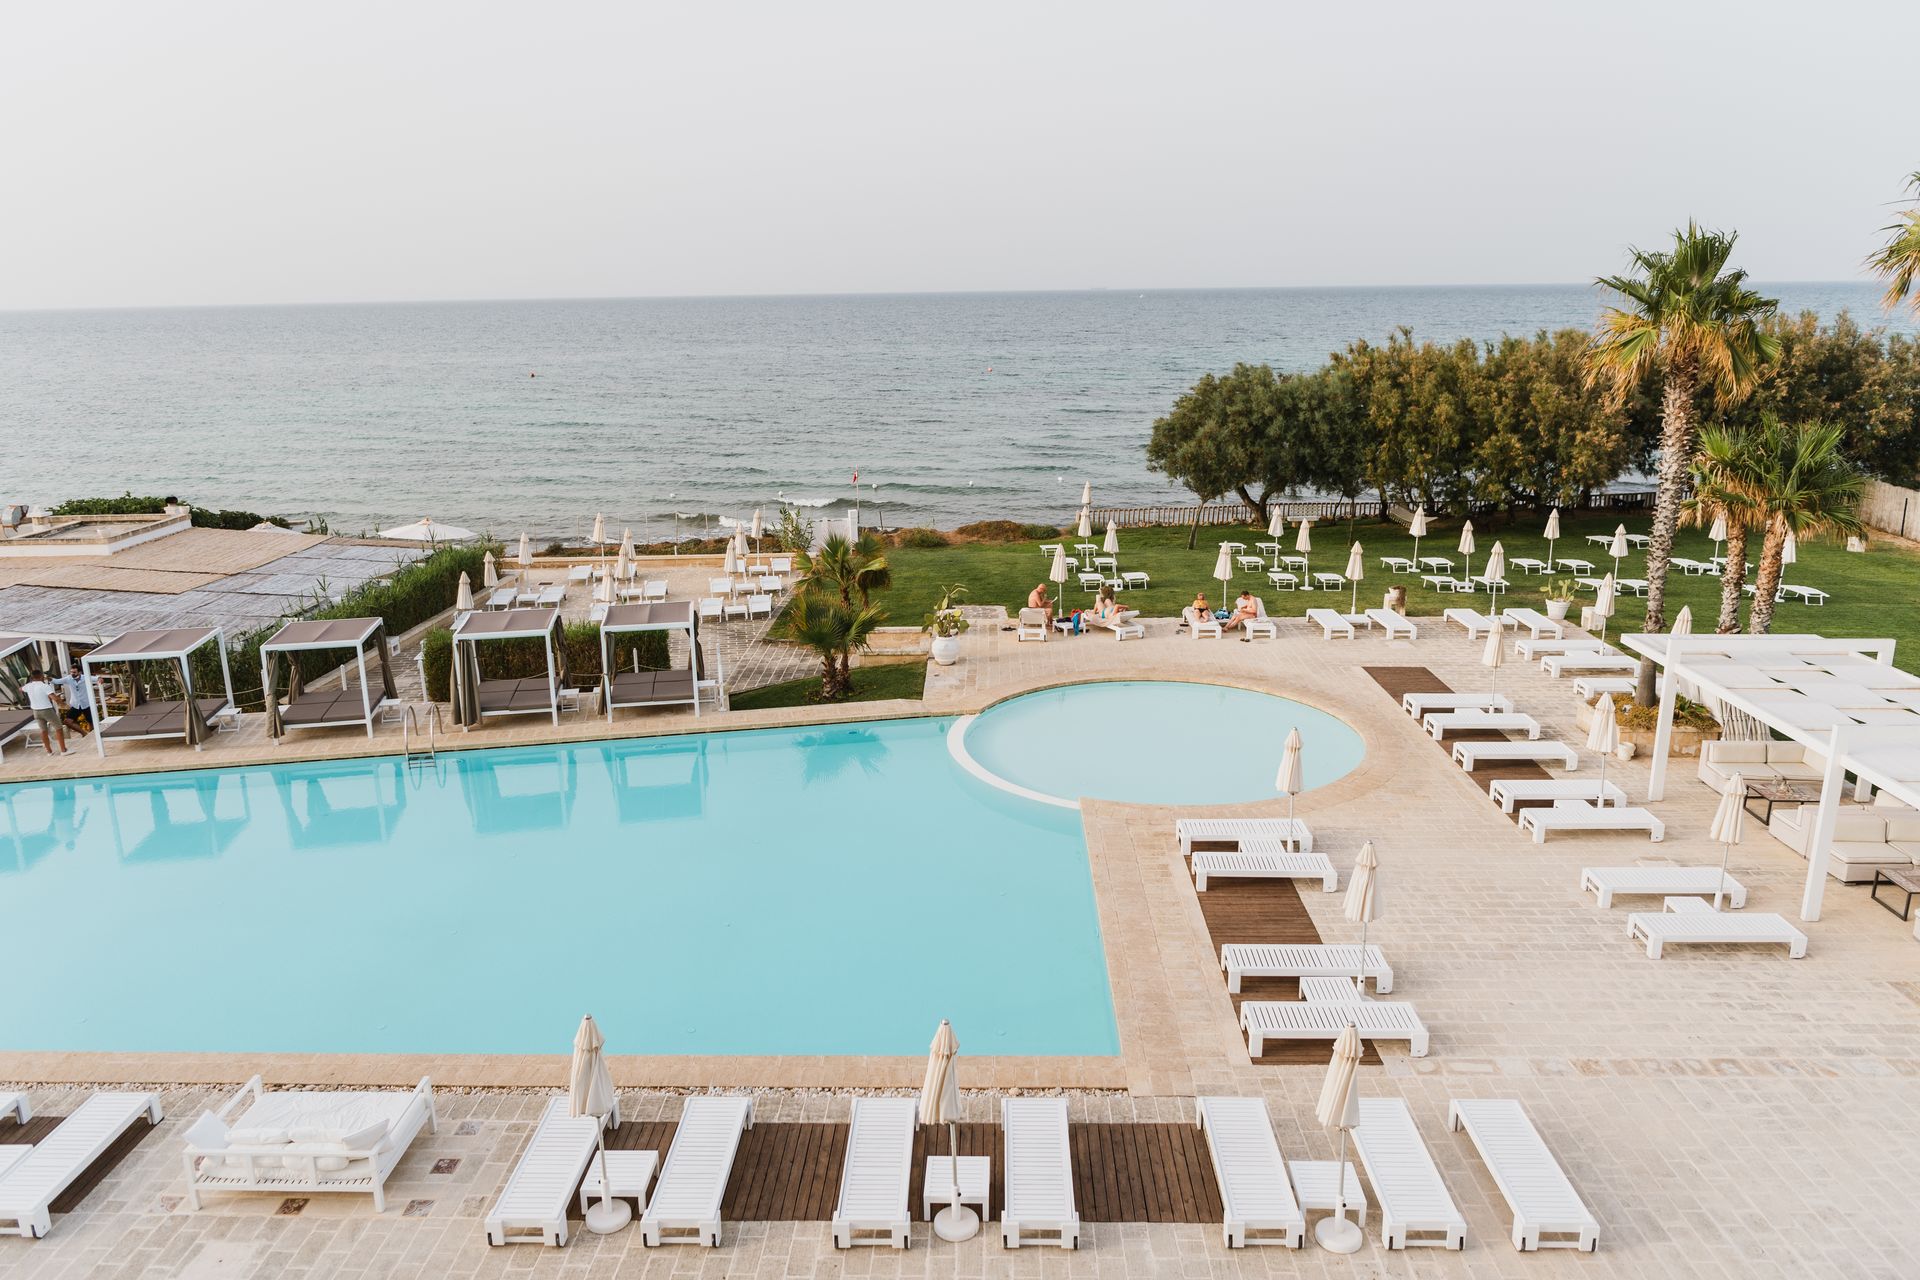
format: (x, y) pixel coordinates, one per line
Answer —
(1581, 815)
(1477, 624)
(1438, 722)
(17, 1106)
(33, 1182)
(1415, 1208)
(1396, 627)
(1291, 832)
(1255, 1196)
(1508, 792)
(1301, 960)
(1251, 862)
(1265, 1020)
(873, 1207)
(685, 1207)
(1561, 664)
(1331, 624)
(532, 1207)
(1469, 754)
(1538, 624)
(1547, 1211)
(1039, 1169)
(1539, 647)
(1594, 686)
(1418, 705)
(1608, 883)
(1714, 928)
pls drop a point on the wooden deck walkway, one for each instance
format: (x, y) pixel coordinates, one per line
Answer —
(1400, 681)
(1121, 1172)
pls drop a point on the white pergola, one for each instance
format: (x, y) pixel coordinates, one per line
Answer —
(154, 719)
(650, 688)
(475, 699)
(1841, 699)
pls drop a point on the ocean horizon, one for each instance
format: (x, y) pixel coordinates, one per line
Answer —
(665, 413)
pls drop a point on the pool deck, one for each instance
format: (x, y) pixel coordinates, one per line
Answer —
(1723, 1111)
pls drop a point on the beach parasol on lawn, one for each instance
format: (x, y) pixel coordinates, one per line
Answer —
(1303, 543)
(1789, 550)
(1276, 527)
(1361, 906)
(590, 1093)
(1057, 571)
(1553, 535)
(1603, 603)
(1466, 549)
(1289, 781)
(525, 558)
(600, 533)
(1223, 570)
(731, 564)
(1718, 534)
(1494, 574)
(1619, 548)
(1111, 543)
(1729, 823)
(463, 598)
(1418, 528)
(1085, 530)
(1356, 570)
(1086, 493)
(1682, 622)
(1603, 736)
(489, 573)
(1339, 1108)
(754, 531)
(940, 1105)
(1494, 654)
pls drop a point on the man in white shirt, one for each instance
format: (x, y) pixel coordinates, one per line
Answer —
(45, 713)
(79, 703)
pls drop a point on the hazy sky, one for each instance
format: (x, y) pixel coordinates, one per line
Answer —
(244, 152)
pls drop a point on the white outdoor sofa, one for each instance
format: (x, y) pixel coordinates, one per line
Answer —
(1438, 722)
(1583, 815)
(1302, 960)
(1538, 624)
(1470, 754)
(685, 1205)
(1256, 1198)
(1759, 761)
(1477, 624)
(305, 1142)
(1263, 860)
(1547, 1211)
(1292, 832)
(1397, 626)
(1039, 1174)
(1415, 1208)
(532, 1207)
(1265, 1020)
(1701, 924)
(31, 1184)
(1864, 839)
(1509, 792)
(1418, 705)
(1331, 623)
(1607, 883)
(873, 1206)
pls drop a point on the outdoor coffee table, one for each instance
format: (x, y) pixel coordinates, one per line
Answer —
(976, 1175)
(1777, 792)
(1906, 880)
(631, 1173)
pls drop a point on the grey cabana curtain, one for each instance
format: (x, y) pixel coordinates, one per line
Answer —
(559, 641)
(379, 642)
(269, 664)
(695, 659)
(196, 728)
(463, 684)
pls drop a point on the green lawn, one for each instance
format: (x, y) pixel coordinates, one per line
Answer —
(870, 684)
(1874, 594)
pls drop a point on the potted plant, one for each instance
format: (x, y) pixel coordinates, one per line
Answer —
(945, 624)
(1559, 598)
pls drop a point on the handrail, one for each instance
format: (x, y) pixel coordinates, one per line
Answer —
(429, 724)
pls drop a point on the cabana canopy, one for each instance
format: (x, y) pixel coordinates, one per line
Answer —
(15, 719)
(188, 717)
(650, 688)
(474, 698)
(306, 710)
(1842, 699)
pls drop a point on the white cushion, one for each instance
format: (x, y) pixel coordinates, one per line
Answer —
(1737, 752)
(1858, 829)
(258, 1137)
(1903, 828)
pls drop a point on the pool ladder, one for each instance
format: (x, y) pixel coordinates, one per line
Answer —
(411, 724)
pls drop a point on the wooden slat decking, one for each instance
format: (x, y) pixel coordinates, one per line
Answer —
(36, 1129)
(1121, 1172)
(1399, 681)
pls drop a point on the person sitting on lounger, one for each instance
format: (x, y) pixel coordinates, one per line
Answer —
(1199, 611)
(1244, 609)
(1106, 610)
(1039, 599)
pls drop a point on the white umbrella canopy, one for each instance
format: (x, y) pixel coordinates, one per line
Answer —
(754, 531)
(1603, 737)
(1619, 547)
(1718, 533)
(1290, 779)
(940, 1104)
(599, 528)
(731, 565)
(1682, 621)
(1277, 525)
(740, 541)
(1790, 549)
(1729, 824)
(1057, 571)
(1111, 544)
(590, 1093)
(1339, 1108)
(489, 573)
(603, 590)
(1418, 527)
(1085, 528)
(1086, 493)
(1362, 903)
(1553, 525)
(1466, 547)
(1603, 601)
(425, 529)
(1303, 539)
(626, 544)
(1495, 571)
(1223, 570)
(1356, 570)
(1494, 654)
(463, 598)
(526, 550)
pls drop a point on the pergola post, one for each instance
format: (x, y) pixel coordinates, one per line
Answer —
(606, 671)
(226, 672)
(99, 707)
(1663, 728)
(553, 691)
(1820, 839)
(366, 707)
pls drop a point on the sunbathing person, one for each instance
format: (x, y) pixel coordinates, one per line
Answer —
(1199, 611)
(1245, 609)
(1107, 612)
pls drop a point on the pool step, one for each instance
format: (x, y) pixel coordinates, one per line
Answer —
(412, 724)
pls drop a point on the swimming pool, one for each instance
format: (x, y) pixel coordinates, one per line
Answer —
(1156, 742)
(822, 890)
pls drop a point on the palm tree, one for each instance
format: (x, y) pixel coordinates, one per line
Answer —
(847, 568)
(1723, 490)
(1899, 259)
(1801, 485)
(1684, 314)
(832, 628)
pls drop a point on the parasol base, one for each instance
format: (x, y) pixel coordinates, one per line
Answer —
(1337, 1235)
(956, 1222)
(604, 1217)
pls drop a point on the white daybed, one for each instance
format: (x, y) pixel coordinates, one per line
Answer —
(685, 1206)
(873, 1206)
(32, 1183)
(1509, 792)
(1263, 860)
(1547, 1211)
(1331, 623)
(1418, 705)
(1396, 626)
(1039, 1173)
(1302, 960)
(1477, 624)
(1538, 624)
(1582, 815)
(1292, 832)
(1415, 1208)
(1256, 1199)
(1438, 722)
(305, 1142)
(532, 1207)
(1608, 883)
(1265, 1020)
(1712, 928)
(1469, 754)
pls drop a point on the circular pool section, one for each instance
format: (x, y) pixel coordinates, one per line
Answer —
(1155, 742)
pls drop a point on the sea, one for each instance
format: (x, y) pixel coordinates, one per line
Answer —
(673, 415)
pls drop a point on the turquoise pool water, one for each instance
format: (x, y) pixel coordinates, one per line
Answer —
(827, 890)
(1157, 742)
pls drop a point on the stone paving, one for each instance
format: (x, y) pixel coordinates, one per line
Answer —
(1725, 1112)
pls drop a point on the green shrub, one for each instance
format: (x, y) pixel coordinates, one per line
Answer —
(130, 504)
(922, 539)
(1039, 532)
(512, 659)
(999, 531)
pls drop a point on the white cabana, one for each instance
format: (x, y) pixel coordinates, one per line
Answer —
(309, 708)
(474, 698)
(638, 688)
(189, 717)
(1843, 700)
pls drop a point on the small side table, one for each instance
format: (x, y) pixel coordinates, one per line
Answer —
(1907, 882)
(1313, 1183)
(631, 1173)
(976, 1176)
